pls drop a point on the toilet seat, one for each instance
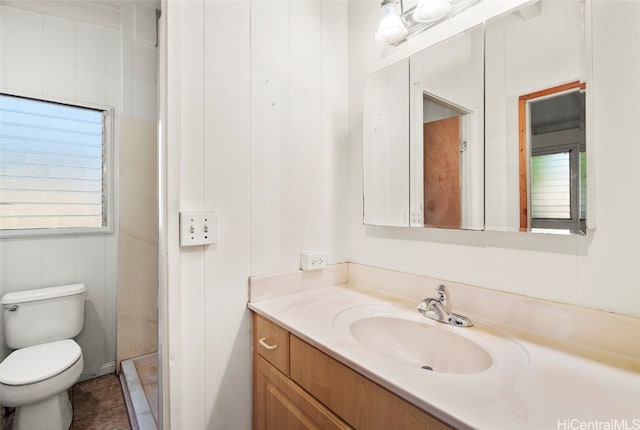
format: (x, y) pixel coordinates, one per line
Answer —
(38, 363)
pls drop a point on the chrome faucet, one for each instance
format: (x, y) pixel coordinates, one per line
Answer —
(439, 308)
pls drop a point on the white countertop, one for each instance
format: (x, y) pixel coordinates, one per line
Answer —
(536, 388)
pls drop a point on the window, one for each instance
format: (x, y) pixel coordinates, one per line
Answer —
(552, 146)
(558, 161)
(53, 167)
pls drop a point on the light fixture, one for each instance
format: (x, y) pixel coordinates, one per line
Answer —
(391, 29)
(397, 24)
(431, 10)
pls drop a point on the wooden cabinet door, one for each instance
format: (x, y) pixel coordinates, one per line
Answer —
(354, 398)
(279, 404)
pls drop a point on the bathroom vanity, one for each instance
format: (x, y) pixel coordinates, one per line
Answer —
(338, 350)
(298, 386)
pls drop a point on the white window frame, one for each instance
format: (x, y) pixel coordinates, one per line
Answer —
(109, 177)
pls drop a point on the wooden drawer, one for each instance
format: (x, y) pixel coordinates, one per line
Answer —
(362, 403)
(271, 342)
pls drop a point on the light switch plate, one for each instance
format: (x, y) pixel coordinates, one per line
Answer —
(198, 228)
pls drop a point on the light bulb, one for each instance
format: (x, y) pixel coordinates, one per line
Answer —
(392, 29)
(431, 10)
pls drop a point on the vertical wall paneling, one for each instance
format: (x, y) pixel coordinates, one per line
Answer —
(92, 267)
(58, 261)
(191, 119)
(172, 181)
(114, 70)
(91, 64)
(335, 129)
(3, 48)
(227, 191)
(23, 50)
(59, 58)
(274, 127)
(299, 99)
(270, 137)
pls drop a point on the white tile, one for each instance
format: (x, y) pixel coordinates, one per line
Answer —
(91, 64)
(58, 261)
(23, 50)
(59, 62)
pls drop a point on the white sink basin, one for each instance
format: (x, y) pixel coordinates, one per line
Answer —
(401, 335)
(420, 345)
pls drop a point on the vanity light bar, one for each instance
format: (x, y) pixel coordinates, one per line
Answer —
(413, 27)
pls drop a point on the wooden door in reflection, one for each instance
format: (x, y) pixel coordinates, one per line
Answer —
(442, 203)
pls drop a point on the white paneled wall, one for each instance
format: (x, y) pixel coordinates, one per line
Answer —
(601, 271)
(71, 61)
(299, 142)
(257, 123)
(208, 168)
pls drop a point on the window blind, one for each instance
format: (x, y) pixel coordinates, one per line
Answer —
(51, 165)
(550, 186)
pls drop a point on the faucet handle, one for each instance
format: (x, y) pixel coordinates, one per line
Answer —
(442, 295)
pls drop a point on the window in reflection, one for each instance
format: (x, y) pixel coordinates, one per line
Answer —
(552, 127)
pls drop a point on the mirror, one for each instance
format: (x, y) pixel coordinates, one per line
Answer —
(447, 151)
(423, 146)
(386, 148)
(535, 141)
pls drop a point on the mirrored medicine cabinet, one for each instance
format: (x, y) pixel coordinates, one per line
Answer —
(484, 130)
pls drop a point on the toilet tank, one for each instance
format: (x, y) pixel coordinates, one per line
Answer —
(33, 317)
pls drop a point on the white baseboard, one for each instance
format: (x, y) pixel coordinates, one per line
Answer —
(94, 372)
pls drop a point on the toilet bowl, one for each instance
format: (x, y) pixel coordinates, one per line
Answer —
(35, 380)
(46, 362)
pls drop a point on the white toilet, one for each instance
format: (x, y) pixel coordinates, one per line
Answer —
(46, 362)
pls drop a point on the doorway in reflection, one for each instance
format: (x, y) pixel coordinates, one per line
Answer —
(443, 145)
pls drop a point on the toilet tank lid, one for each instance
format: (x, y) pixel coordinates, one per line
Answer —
(42, 294)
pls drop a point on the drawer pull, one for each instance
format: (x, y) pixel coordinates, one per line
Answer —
(263, 341)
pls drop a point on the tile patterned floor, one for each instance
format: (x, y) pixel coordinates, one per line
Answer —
(98, 404)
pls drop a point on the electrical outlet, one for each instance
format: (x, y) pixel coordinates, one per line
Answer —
(313, 260)
(198, 228)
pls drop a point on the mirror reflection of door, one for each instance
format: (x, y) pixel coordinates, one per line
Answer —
(442, 134)
(553, 159)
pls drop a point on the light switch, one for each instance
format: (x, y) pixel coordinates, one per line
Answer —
(198, 228)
